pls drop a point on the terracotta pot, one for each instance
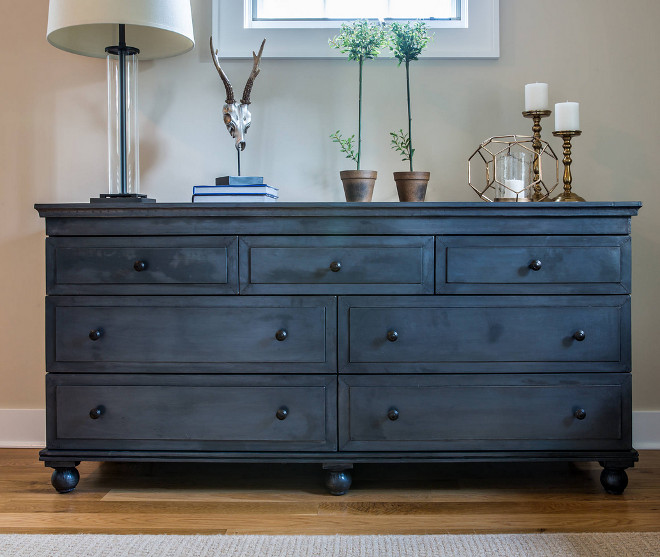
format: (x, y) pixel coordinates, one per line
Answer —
(411, 186)
(358, 184)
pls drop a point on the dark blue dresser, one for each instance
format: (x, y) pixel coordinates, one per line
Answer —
(338, 333)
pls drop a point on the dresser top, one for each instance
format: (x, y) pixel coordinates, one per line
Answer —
(177, 219)
(426, 209)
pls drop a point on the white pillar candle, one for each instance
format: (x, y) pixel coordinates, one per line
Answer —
(567, 117)
(512, 187)
(536, 96)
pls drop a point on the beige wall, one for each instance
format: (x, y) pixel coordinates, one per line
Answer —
(53, 126)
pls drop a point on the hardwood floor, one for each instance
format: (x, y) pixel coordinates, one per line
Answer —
(277, 499)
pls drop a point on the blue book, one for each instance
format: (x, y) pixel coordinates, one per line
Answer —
(238, 180)
(238, 198)
(235, 190)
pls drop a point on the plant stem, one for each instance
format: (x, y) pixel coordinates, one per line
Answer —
(360, 118)
(410, 146)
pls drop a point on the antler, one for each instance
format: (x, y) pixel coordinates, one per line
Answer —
(255, 72)
(230, 91)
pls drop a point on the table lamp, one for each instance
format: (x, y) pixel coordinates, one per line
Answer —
(122, 31)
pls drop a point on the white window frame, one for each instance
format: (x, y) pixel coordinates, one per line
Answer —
(480, 39)
(249, 23)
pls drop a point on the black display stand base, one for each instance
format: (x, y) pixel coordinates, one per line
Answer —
(239, 180)
(122, 198)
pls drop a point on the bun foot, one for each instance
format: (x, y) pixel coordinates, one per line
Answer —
(614, 480)
(65, 479)
(338, 482)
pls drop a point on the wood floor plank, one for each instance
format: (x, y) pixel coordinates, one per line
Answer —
(328, 525)
(396, 495)
(130, 498)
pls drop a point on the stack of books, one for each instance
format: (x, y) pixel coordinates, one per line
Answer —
(235, 189)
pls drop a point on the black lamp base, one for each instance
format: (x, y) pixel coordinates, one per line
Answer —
(122, 198)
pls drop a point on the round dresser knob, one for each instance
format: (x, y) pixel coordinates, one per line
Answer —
(580, 413)
(95, 413)
(95, 334)
(536, 265)
(140, 266)
(335, 266)
(393, 414)
(392, 336)
(282, 413)
(281, 335)
(579, 336)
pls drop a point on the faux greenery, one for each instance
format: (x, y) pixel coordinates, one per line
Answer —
(346, 146)
(361, 40)
(401, 144)
(407, 41)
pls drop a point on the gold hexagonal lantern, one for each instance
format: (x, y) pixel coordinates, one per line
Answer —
(510, 168)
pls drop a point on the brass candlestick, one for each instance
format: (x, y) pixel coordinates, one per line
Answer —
(536, 115)
(567, 195)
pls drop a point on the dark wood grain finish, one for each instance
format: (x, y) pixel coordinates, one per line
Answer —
(191, 333)
(336, 265)
(484, 334)
(504, 265)
(477, 412)
(146, 265)
(192, 412)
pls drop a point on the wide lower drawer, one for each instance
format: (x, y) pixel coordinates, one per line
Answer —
(484, 334)
(192, 333)
(485, 412)
(142, 265)
(336, 264)
(533, 264)
(191, 412)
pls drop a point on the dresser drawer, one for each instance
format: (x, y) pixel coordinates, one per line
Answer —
(183, 334)
(533, 264)
(193, 412)
(336, 264)
(485, 412)
(142, 265)
(484, 334)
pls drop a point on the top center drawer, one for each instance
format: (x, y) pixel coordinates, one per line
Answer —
(336, 264)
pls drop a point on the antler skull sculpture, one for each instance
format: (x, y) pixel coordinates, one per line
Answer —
(237, 116)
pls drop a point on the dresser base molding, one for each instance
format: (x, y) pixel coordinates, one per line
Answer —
(625, 458)
(338, 466)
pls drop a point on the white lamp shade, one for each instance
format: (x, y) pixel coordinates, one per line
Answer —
(159, 28)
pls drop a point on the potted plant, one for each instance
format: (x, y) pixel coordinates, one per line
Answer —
(407, 41)
(361, 41)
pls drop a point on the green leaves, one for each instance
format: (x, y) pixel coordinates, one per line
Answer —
(345, 145)
(408, 40)
(401, 144)
(361, 40)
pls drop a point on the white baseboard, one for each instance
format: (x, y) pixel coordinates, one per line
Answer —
(646, 429)
(22, 428)
(27, 429)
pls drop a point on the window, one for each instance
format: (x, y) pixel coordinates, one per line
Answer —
(301, 28)
(331, 13)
